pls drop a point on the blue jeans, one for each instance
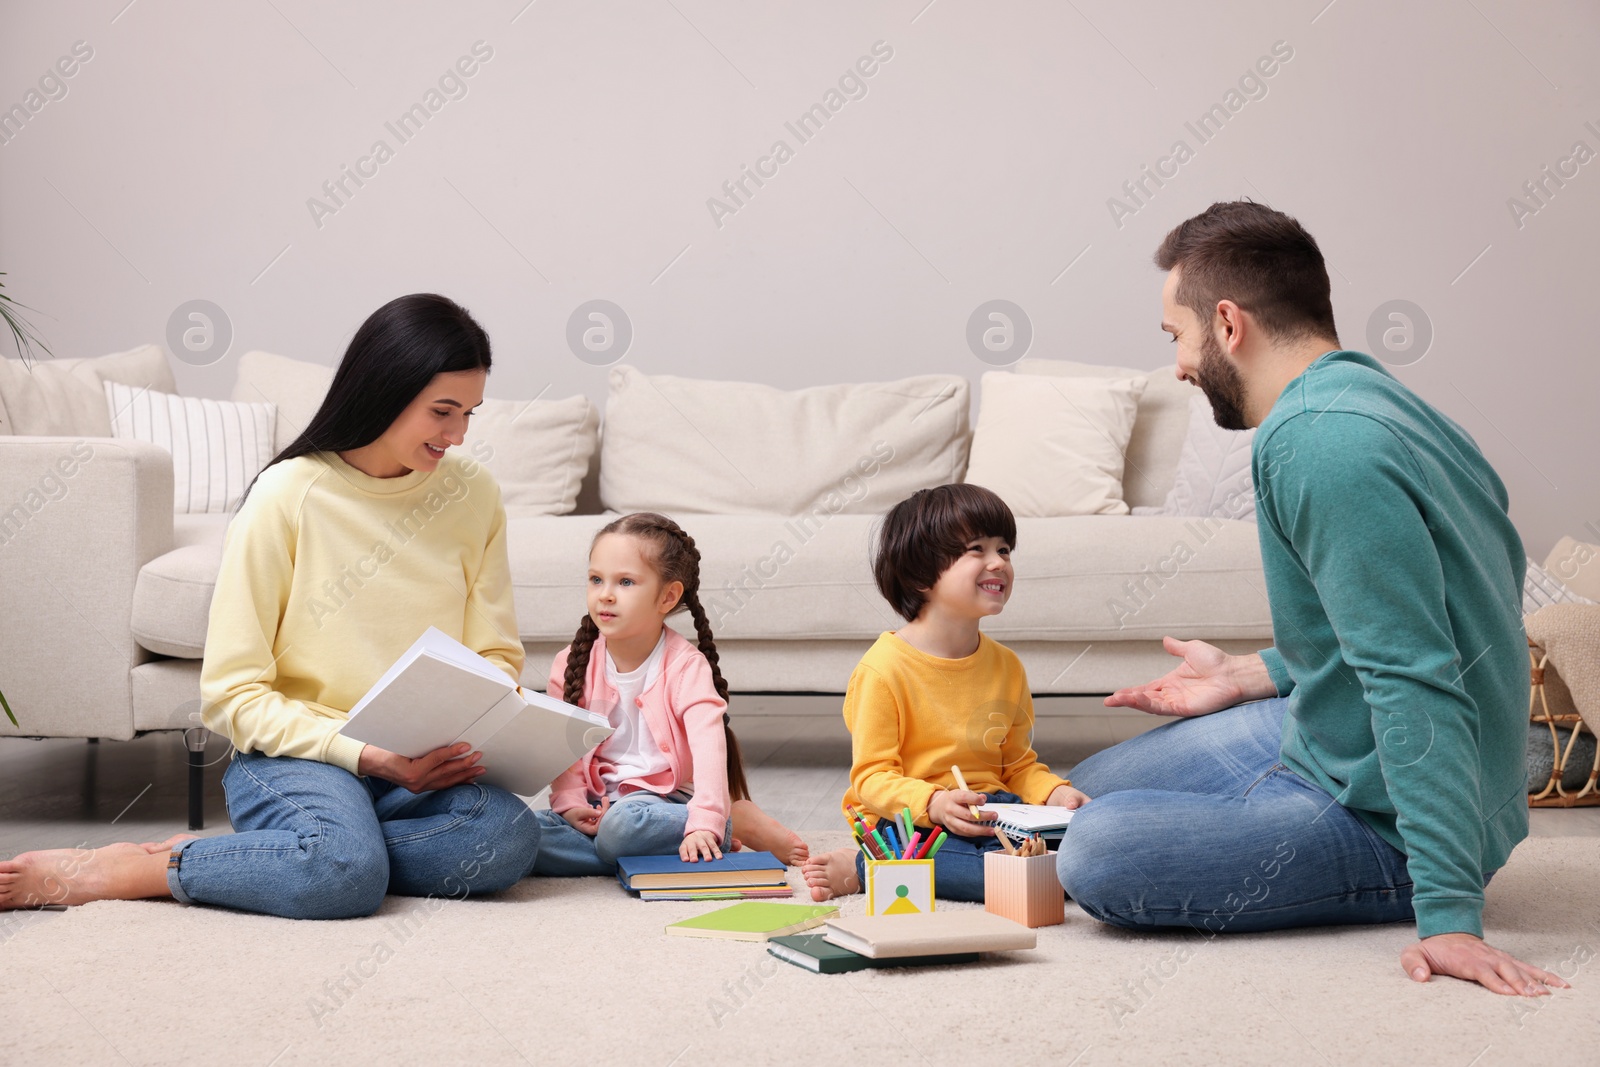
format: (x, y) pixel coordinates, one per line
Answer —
(958, 868)
(1198, 823)
(314, 841)
(639, 824)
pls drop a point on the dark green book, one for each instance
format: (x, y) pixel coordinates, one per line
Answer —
(814, 953)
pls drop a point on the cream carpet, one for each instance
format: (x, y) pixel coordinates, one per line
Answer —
(576, 972)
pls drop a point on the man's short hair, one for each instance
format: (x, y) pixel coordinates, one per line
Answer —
(1261, 259)
(929, 530)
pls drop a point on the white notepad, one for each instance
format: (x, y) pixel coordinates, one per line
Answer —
(1020, 820)
(441, 692)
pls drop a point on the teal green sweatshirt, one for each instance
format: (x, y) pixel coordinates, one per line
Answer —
(1395, 579)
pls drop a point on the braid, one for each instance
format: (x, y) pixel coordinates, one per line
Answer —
(738, 786)
(578, 661)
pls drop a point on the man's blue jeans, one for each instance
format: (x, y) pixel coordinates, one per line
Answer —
(314, 841)
(1197, 823)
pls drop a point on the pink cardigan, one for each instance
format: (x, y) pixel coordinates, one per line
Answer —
(684, 714)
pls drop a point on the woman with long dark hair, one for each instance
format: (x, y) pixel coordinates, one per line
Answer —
(358, 536)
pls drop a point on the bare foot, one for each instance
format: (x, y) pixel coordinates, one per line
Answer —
(832, 875)
(124, 871)
(760, 831)
(153, 847)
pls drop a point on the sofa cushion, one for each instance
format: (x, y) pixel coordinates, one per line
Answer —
(66, 398)
(1158, 428)
(1097, 577)
(1054, 446)
(537, 450)
(172, 600)
(737, 448)
(1087, 578)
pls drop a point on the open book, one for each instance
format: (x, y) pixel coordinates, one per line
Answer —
(441, 692)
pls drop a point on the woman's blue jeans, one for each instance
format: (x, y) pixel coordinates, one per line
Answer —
(1197, 823)
(314, 841)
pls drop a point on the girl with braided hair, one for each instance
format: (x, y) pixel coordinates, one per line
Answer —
(670, 779)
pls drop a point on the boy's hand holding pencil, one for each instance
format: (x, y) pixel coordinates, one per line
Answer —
(957, 809)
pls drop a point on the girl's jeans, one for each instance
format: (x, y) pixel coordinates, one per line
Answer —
(639, 824)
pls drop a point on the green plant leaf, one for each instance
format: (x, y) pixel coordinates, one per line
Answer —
(23, 336)
(10, 716)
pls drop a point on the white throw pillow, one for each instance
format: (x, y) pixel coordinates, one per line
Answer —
(737, 448)
(293, 386)
(538, 451)
(63, 397)
(1213, 478)
(1054, 445)
(1158, 428)
(217, 446)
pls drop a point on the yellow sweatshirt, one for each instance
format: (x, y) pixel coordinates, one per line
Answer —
(911, 716)
(328, 576)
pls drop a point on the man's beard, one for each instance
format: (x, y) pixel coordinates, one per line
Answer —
(1222, 385)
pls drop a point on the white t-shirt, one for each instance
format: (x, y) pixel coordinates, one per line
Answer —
(633, 750)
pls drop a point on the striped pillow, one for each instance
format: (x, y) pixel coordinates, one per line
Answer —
(1541, 588)
(217, 446)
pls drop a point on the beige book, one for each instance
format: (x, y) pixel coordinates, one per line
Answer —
(891, 936)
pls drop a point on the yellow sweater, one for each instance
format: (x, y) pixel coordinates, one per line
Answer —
(328, 576)
(911, 716)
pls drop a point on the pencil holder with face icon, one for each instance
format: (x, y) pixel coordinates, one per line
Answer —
(1024, 889)
(899, 887)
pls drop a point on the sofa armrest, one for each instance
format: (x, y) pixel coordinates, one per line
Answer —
(78, 518)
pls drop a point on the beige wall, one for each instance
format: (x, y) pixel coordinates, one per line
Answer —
(978, 165)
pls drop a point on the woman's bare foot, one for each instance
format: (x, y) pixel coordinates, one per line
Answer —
(760, 831)
(124, 871)
(833, 874)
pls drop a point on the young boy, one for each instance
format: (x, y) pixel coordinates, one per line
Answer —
(938, 694)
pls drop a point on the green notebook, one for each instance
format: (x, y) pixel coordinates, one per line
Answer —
(815, 953)
(755, 920)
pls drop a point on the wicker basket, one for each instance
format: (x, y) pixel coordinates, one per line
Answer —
(1553, 795)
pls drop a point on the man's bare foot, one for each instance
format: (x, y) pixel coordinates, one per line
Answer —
(760, 831)
(833, 874)
(124, 871)
(169, 844)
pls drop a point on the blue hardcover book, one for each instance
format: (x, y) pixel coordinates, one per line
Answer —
(670, 872)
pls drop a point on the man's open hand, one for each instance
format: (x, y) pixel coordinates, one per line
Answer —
(1207, 680)
(1474, 960)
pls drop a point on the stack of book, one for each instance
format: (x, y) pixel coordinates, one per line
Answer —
(736, 876)
(931, 938)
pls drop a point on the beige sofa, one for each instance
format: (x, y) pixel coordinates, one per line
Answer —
(107, 591)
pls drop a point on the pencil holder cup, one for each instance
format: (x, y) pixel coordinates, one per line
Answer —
(899, 887)
(1024, 889)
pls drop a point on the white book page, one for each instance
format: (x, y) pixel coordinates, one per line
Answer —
(533, 747)
(442, 646)
(1029, 816)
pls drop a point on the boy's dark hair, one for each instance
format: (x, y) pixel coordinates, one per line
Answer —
(677, 559)
(1261, 259)
(929, 530)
